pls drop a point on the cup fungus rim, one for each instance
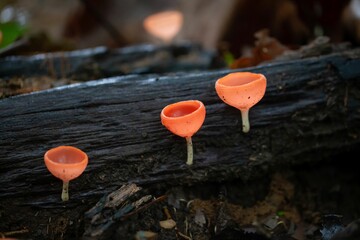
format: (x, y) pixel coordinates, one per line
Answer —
(171, 12)
(256, 76)
(172, 105)
(84, 159)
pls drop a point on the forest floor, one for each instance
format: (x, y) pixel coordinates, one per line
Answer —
(312, 201)
(308, 201)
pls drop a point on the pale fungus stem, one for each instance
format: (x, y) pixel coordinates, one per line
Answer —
(190, 154)
(65, 191)
(245, 120)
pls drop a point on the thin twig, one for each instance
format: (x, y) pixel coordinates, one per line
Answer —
(159, 199)
(11, 233)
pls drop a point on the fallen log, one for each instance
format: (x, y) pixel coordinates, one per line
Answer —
(102, 62)
(310, 111)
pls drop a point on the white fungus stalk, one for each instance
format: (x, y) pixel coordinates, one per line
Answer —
(245, 120)
(65, 191)
(190, 154)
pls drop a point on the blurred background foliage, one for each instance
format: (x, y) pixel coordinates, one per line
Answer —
(231, 27)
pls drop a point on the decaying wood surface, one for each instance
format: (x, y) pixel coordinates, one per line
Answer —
(101, 62)
(310, 111)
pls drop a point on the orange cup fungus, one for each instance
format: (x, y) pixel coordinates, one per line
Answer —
(242, 90)
(184, 119)
(66, 163)
(164, 25)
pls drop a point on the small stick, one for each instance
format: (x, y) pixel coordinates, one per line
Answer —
(161, 198)
(167, 213)
(3, 235)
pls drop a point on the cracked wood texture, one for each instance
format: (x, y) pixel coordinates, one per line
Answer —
(310, 111)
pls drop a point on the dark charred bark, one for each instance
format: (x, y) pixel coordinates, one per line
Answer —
(310, 111)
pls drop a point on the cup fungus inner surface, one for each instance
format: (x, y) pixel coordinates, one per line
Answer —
(66, 156)
(238, 79)
(175, 111)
